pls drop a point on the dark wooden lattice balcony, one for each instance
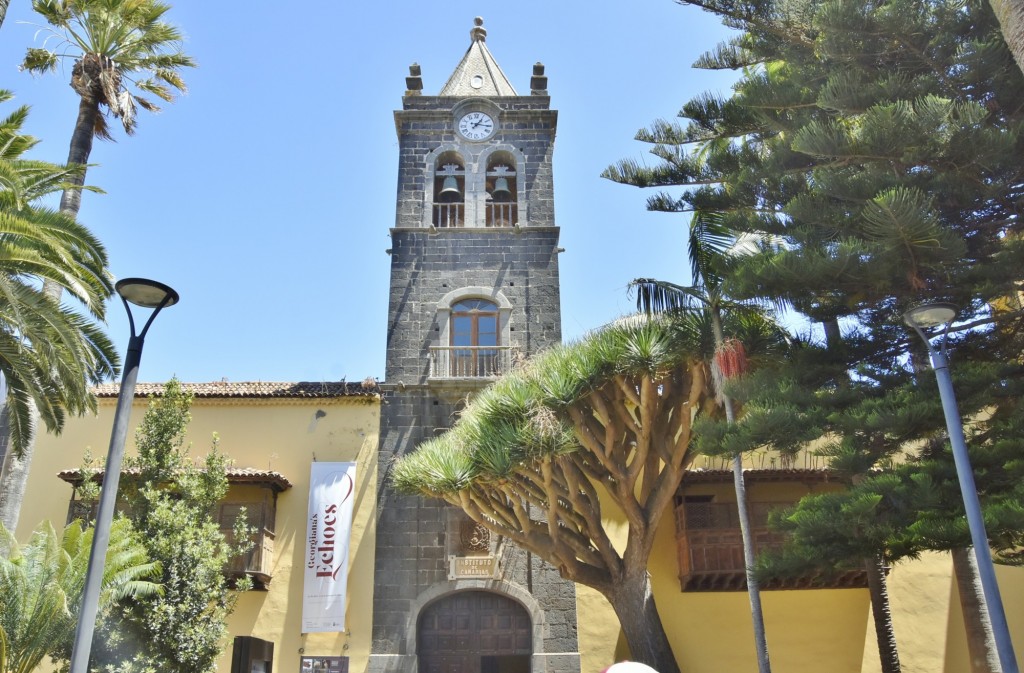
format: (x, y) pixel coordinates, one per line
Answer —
(710, 549)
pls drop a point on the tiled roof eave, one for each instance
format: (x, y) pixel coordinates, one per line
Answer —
(236, 475)
(701, 476)
(254, 390)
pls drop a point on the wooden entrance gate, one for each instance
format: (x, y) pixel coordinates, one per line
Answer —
(474, 632)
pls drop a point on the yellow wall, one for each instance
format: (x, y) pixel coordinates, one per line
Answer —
(280, 435)
(709, 631)
(928, 621)
(712, 632)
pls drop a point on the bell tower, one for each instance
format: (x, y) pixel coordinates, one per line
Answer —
(474, 288)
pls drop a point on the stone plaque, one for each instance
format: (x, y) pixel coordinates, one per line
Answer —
(472, 566)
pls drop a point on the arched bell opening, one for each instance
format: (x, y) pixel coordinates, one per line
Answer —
(502, 190)
(449, 190)
(474, 632)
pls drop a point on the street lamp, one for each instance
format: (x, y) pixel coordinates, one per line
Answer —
(147, 294)
(921, 318)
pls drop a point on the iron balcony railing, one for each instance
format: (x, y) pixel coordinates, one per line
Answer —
(469, 362)
(449, 215)
(502, 215)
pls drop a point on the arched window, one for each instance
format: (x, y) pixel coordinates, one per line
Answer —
(474, 335)
(474, 338)
(502, 193)
(449, 190)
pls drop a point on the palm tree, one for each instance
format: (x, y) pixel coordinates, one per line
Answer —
(118, 46)
(41, 586)
(50, 355)
(709, 243)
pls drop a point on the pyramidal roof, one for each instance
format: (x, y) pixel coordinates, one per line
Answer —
(478, 74)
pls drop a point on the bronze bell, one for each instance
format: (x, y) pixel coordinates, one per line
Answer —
(450, 189)
(501, 191)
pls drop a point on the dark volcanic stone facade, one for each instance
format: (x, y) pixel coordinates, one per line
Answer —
(516, 267)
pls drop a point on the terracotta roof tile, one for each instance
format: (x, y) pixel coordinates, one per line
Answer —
(257, 389)
(236, 475)
(702, 476)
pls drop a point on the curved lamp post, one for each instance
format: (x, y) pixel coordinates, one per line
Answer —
(147, 294)
(921, 318)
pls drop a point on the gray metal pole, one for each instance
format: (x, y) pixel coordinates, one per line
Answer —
(86, 627)
(108, 500)
(972, 506)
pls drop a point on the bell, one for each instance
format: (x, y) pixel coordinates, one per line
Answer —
(501, 191)
(450, 189)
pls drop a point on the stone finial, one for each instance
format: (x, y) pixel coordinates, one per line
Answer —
(414, 82)
(478, 33)
(538, 83)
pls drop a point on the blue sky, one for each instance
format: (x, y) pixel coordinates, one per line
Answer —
(265, 196)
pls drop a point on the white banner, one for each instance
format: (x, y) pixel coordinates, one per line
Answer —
(328, 528)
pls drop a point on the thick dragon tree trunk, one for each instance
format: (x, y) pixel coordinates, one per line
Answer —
(633, 602)
(882, 614)
(981, 641)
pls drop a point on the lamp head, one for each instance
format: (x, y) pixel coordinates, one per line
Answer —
(145, 293)
(930, 315)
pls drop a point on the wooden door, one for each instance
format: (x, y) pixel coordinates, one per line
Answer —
(474, 632)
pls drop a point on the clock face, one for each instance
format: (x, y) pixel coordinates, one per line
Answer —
(476, 126)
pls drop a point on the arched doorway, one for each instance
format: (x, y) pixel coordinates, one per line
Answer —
(474, 632)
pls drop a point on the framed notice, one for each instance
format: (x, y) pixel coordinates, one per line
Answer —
(324, 665)
(325, 557)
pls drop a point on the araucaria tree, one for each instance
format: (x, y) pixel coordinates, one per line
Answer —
(879, 144)
(123, 52)
(171, 503)
(605, 420)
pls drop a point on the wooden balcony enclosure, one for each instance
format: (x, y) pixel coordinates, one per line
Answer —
(710, 549)
(258, 561)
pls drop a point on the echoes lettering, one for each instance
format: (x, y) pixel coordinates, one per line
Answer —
(325, 551)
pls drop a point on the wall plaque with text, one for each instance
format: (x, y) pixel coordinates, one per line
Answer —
(472, 566)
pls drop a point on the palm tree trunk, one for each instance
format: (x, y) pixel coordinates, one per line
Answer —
(78, 153)
(3, 10)
(880, 610)
(633, 603)
(13, 493)
(1011, 22)
(13, 474)
(981, 642)
(749, 553)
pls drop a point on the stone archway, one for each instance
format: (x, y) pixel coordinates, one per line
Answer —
(474, 632)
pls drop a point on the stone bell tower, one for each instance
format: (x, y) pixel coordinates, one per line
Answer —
(474, 288)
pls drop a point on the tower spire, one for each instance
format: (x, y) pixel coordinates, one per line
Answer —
(478, 33)
(478, 74)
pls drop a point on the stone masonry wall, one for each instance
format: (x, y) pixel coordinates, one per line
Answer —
(411, 531)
